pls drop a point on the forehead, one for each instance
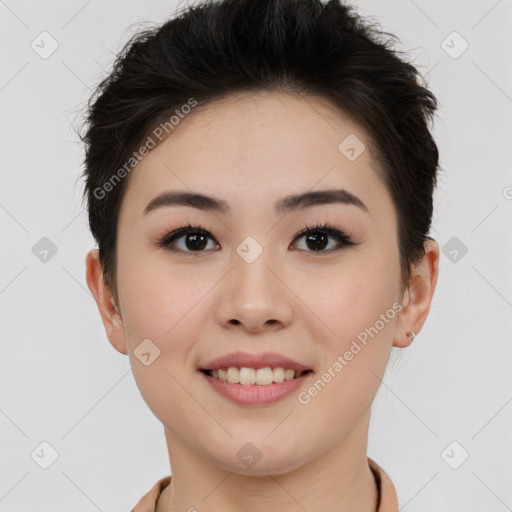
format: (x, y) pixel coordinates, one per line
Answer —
(259, 144)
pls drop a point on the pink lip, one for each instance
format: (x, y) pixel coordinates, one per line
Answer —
(255, 394)
(255, 361)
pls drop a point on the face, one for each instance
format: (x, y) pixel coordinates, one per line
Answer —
(244, 278)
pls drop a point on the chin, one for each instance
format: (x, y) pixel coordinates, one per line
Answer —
(261, 459)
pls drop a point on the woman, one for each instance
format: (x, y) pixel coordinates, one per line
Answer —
(260, 179)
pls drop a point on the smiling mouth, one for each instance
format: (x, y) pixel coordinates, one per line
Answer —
(251, 376)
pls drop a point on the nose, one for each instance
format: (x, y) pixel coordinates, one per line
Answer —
(254, 296)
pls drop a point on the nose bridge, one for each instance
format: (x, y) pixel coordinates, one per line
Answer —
(253, 276)
(254, 296)
(253, 280)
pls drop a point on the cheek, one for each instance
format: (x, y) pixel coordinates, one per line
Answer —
(357, 308)
(355, 334)
(165, 308)
(158, 298)
(348, 299)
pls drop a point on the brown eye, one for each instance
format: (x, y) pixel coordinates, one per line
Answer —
(195, 241)
(187, 239)
(317, 241)
(317, 238)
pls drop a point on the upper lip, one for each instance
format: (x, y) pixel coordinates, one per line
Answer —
(248, 360)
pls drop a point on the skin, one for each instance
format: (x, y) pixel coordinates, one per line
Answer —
(252, 150)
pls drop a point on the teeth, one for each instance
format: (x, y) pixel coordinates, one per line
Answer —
(250, 376)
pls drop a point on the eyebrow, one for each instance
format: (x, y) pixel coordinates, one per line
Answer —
(283, 206)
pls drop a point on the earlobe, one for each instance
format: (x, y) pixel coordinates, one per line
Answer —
(418, 297)
(110, 315)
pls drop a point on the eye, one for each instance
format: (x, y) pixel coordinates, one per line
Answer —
(317, 238)
(189, 239)
(195, 239)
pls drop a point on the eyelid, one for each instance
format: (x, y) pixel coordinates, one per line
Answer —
(174, 234)
(343, 239)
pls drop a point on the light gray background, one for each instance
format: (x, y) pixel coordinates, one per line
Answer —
(62, 382)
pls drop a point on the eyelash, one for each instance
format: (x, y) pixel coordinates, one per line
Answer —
(343, 239)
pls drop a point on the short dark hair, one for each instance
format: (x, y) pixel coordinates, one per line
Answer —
(217, 48)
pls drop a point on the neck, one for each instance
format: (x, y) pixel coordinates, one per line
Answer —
(338, 480)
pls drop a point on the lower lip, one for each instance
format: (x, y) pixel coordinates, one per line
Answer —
(255, 394)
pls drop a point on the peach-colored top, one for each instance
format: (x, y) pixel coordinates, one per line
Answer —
(388, 501)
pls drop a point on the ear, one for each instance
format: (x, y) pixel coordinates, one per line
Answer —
(110, 315)
(418, 297)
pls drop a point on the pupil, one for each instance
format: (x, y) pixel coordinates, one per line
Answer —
(198, 241)
(323, 241)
